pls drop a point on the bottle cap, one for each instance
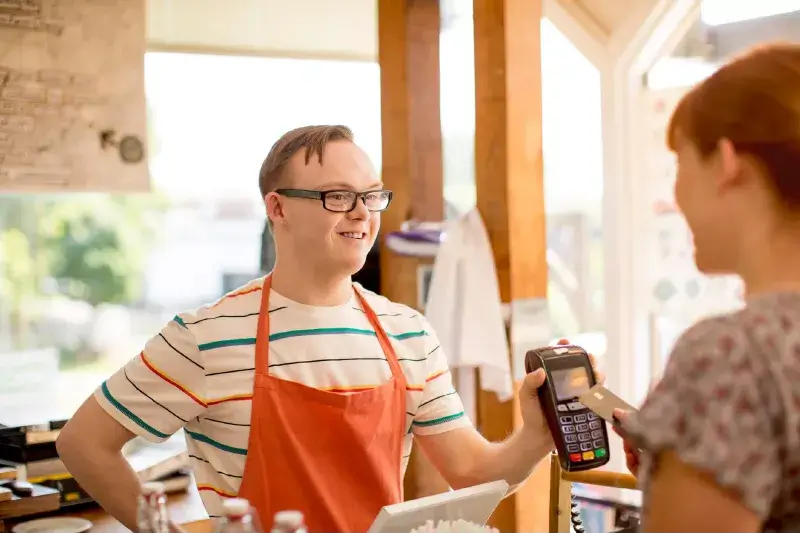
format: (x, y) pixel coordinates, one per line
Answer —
(290, 519)
(236, 506)
(153, 487)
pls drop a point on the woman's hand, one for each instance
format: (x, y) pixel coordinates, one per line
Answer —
(631, 453)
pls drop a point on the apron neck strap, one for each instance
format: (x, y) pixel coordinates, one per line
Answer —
(263, 329)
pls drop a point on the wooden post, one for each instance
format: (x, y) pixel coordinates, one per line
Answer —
(408, 52)
(510, 195)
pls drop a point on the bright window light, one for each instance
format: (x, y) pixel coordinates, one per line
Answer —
(716, 12)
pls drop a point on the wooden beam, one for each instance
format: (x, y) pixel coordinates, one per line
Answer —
(408, 52)
(510, 196)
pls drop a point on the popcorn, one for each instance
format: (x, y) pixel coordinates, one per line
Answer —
(455, 526)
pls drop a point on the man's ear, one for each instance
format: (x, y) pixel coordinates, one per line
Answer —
(274, 206)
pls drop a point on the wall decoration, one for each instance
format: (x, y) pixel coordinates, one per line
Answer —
(72, 105)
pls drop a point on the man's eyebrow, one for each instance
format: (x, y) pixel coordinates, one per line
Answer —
(346, 186)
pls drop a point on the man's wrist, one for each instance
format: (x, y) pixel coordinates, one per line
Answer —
(538, 438)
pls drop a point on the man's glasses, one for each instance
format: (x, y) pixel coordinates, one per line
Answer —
(343, 201)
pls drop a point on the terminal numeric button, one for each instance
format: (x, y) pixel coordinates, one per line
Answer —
(594, 424)
(586, 446)
(566, 420)
(580, 418)
(596, 434)
(568, 429)
(592, 416)
(571, 438)
(582, 427)
(598, 443)
(584, 437)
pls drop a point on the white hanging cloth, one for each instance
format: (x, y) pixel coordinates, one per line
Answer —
(464, 309)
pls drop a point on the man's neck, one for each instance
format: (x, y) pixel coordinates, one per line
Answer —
(311, 288)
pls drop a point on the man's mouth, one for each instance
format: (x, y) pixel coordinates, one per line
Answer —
(353, 235)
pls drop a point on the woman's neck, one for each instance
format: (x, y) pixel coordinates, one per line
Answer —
(773, 267)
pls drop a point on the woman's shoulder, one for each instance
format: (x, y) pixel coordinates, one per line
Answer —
(762, 337)
(719, 340)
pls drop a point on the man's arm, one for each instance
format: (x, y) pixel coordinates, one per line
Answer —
(465, 458)
(97, 462)
(152, 396)
(462, 455)
(458, 451)
(681, 498)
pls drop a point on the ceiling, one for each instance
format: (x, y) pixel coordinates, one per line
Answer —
(606, 14)
(345, 29)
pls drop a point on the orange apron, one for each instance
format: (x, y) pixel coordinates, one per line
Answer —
(335, 457)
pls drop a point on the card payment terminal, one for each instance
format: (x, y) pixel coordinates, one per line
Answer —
(580, 436)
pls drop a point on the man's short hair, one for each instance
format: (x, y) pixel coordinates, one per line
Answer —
(312, 139)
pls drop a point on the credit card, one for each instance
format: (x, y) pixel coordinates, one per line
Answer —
(603, 402)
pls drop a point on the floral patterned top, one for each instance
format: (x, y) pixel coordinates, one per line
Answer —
(729, 405)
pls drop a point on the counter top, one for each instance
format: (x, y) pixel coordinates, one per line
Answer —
(184, 508)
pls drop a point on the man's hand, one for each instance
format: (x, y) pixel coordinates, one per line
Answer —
(532, 414)
(631, 453)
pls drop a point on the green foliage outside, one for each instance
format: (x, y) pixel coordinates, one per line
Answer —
(88, 247)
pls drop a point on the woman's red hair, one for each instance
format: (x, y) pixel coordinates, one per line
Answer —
(753, 101)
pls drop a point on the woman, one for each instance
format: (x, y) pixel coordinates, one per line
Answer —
(720, 434)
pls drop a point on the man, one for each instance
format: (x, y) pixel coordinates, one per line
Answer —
(299, 390)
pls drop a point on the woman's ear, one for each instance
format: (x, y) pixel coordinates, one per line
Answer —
(729, 163)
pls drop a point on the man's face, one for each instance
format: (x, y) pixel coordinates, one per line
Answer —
(331, 241)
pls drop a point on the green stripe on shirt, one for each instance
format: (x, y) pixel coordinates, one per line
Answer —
(305, 333)
(226, 342)
(437, 421)
(208, 440)
(125, 411)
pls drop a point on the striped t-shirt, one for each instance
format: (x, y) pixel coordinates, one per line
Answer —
(198, 373)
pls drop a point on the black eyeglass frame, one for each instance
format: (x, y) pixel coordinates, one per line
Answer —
(322, 195)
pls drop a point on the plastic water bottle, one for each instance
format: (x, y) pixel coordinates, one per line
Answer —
(152, 515)
(289, 522)
(237, 517)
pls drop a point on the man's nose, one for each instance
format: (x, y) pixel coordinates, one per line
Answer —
(360, 212)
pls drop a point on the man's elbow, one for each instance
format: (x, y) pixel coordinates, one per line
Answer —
(69, 444)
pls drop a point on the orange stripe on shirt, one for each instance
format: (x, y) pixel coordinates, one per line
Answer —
(171, 381)
(361, 388)
(224, 494)
(436, 375)
(235, 398)
(236, 294)
(348, 388)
